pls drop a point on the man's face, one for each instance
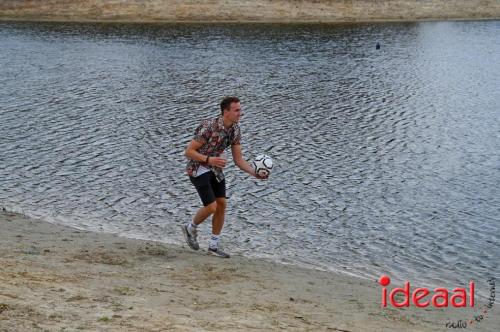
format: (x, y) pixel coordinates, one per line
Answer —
(234, 113)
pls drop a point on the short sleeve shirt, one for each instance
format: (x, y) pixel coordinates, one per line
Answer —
(215, 139)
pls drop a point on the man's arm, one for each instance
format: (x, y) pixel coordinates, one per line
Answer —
(192, 153)
(242, 163)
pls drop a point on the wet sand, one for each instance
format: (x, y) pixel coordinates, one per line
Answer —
(56, 278)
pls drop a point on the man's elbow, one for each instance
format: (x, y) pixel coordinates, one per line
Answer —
(238, 162)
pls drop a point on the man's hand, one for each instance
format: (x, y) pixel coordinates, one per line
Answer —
(217, 162)
(260, 177)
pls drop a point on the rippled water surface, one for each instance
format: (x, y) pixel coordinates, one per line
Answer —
(387, 160)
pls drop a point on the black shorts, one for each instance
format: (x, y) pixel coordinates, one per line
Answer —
(208, 187)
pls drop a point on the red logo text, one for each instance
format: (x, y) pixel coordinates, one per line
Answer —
(423, 297)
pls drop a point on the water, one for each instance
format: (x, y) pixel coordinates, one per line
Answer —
(387, 161)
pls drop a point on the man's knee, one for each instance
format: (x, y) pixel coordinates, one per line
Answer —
(221, 203)
(211, 207)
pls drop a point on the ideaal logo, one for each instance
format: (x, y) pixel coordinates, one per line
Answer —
(422, 297)
(419, 297)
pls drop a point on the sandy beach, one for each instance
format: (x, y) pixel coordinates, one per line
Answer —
(55, 278)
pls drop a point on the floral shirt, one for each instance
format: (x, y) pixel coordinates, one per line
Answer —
(215, 139)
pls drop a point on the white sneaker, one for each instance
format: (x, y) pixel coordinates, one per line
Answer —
(190, 237)
(217, 252)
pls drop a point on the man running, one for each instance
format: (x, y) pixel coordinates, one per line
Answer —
(205, 166)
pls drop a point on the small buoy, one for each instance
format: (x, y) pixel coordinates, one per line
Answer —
(377, 46)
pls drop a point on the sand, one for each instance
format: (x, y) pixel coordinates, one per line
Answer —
(56, 278)
(257, 11)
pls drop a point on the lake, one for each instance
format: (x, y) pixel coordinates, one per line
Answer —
(387, 161)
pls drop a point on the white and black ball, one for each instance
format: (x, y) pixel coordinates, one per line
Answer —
(263, 164)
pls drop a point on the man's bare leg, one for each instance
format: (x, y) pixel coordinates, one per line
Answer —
(217, 223)
(203, 213)
(218, 218)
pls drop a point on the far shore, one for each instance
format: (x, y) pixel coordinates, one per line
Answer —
(232, 22)
(56, 278)
(256, 11)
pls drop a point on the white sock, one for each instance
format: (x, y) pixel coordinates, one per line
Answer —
(214, 241)
(191, 226)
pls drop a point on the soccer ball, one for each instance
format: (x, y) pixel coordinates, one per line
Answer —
(263, 164)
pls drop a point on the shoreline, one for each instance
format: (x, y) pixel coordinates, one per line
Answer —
(54, 277)
(244, 22)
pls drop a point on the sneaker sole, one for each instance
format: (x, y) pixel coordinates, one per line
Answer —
(211, 253)
(186, 237)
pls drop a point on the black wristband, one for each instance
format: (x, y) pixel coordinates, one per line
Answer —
(206, 161)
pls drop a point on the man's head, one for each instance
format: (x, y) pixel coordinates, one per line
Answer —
(231, 109)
